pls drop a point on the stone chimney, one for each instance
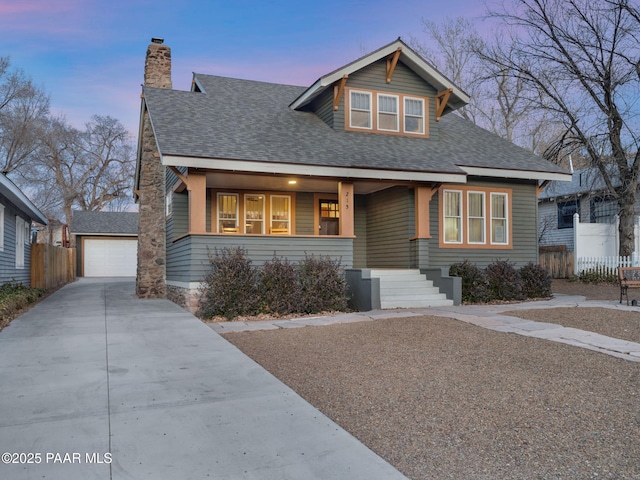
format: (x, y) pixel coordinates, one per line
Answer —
(151, 274)
(157, 67)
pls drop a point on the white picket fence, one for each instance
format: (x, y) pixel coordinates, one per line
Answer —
(605, 265)
(596, 248)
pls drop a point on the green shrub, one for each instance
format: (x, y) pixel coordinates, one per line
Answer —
(323, 288)
(536, 282)
(233, 287)
(474, 282)
(504, 281)
(230, 288)
(15, 296)
(279, 287)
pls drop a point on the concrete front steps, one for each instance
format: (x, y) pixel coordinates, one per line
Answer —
(408, 289)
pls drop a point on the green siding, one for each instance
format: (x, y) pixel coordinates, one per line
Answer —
(523, 230)
(390, 224)
(373, 77)
(360, 230)
(178, 222)
(187, 259)
(304, 214)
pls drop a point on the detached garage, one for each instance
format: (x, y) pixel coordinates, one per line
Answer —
(106, 243)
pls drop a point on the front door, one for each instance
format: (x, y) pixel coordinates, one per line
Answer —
(329, 217)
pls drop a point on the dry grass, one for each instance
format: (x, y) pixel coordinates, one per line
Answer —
(438, 398)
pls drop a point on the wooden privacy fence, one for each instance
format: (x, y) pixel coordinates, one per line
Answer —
(52, 266)
(557, 264)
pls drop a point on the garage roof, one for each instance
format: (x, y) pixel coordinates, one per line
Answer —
(104, 223)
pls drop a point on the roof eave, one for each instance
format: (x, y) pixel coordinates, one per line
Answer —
(457, 99)
(518, 174)
(20, 200)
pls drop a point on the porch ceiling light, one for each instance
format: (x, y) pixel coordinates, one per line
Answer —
(292, 182)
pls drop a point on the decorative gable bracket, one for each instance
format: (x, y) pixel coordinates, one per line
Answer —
(441, 101)
(392, 61)
(337, 92)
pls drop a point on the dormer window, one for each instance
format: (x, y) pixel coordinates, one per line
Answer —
(360, 110)
(387, 112)
(383, 112)
(414, 115)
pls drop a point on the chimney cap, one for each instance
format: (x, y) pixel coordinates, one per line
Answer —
(157, 40)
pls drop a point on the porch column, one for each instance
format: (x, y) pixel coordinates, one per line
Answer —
(346, 205)
(422, 200)
(197, 186)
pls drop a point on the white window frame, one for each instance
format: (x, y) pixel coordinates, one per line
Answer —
(483, 217)
(272, 220)
(352, 109)
(262, 219)
(168, 203)
(405, 115)
(21, 230)
(460, 217)
(2, 229)
(396, 113)
(505, 218)
(237, 217)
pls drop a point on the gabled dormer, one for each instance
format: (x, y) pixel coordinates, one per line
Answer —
(392, 91)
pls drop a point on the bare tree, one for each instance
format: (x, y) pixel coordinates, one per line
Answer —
(82, 169)
(499, 100)
(580, 60)
(23, 109)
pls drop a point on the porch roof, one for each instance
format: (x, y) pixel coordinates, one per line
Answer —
(250, 121)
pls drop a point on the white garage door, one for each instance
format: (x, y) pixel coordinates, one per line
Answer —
(110, 258)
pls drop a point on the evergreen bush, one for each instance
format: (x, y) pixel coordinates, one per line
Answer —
(504, 281)
(474, 282)
(536, 282)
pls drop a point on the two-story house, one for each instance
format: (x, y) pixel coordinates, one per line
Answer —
(370, 165)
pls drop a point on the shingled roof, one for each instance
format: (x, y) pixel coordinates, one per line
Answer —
(104, 223)
(245, 120)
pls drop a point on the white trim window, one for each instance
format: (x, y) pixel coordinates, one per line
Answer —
(388, 112)
(452, 216)
(499, 219)
(360, 110)
(227, 213)
(280, 214)
(254, 213)
(414, 115)
(475, 217)
(21, 238)
(2, 229)
(168, 203)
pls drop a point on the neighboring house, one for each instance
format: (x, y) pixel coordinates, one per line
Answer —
(369, 165)
(17, 213)
(55, 233)
(586, 195)
(106, 243)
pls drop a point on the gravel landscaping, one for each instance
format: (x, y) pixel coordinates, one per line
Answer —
(439, 398)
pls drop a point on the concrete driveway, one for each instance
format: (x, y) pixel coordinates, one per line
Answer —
(97, 384)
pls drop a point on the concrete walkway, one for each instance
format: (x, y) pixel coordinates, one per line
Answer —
(487, 316)
(97, 384)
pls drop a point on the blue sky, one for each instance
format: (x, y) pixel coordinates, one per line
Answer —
(89, 55)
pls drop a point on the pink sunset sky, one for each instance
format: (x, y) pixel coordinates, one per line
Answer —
(89, 55)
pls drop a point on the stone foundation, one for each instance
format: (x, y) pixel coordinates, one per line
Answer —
(185, 297)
